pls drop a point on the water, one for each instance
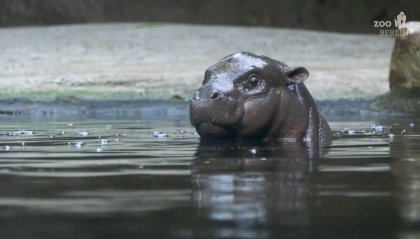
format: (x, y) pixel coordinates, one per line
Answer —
(117, 178)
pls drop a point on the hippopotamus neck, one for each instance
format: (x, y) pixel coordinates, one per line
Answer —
(318, 132)
(305, 98)
(291, 118)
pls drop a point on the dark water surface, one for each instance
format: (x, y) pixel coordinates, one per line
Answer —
(92, 178)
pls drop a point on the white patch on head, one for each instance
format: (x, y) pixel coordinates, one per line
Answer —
(238, 54)
(246, 61)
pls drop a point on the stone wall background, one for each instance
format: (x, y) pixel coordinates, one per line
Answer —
(329, 15)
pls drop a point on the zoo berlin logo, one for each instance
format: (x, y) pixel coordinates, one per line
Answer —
(399, 23)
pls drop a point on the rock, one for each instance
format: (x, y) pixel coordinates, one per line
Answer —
(405, 60)
(404, 74)
(139, 61)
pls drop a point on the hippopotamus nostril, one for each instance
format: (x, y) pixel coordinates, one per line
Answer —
(215, 95)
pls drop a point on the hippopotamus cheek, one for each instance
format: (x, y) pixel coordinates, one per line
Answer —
(257, 117)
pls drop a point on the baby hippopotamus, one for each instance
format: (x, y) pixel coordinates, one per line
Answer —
(252, 96)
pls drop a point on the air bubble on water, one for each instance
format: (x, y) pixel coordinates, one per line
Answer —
(180, 134)
(78, 144)
(163, 135)
(403, 131)
(103, 141)
(160, 135)
(411, 125)
(181, 131)
(51, 136)
(379, 128)
(253, 151)
(23, 143)
(62, 133)
(20, 132)
(84, 134)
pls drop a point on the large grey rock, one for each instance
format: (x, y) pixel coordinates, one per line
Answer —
(165, 61)
(405, 61)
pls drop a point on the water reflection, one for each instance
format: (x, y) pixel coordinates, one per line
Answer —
(260, 189)
(405, 151)
(252, 185)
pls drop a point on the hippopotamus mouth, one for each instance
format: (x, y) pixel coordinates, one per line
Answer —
(214, 130)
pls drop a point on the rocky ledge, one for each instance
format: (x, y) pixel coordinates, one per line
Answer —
(138, 61)
(404, 75)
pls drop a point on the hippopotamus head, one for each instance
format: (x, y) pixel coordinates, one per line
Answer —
(248, 95)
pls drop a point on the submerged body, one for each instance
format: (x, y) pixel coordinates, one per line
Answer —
(247, 96)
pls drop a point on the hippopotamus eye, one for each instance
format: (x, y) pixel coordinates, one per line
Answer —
(253, 81)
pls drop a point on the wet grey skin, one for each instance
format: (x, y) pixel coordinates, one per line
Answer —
(252, 96)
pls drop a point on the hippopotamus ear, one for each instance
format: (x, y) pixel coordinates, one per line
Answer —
(295, 75)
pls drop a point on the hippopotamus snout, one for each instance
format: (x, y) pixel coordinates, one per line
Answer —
(207, 93)
(215, 109)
